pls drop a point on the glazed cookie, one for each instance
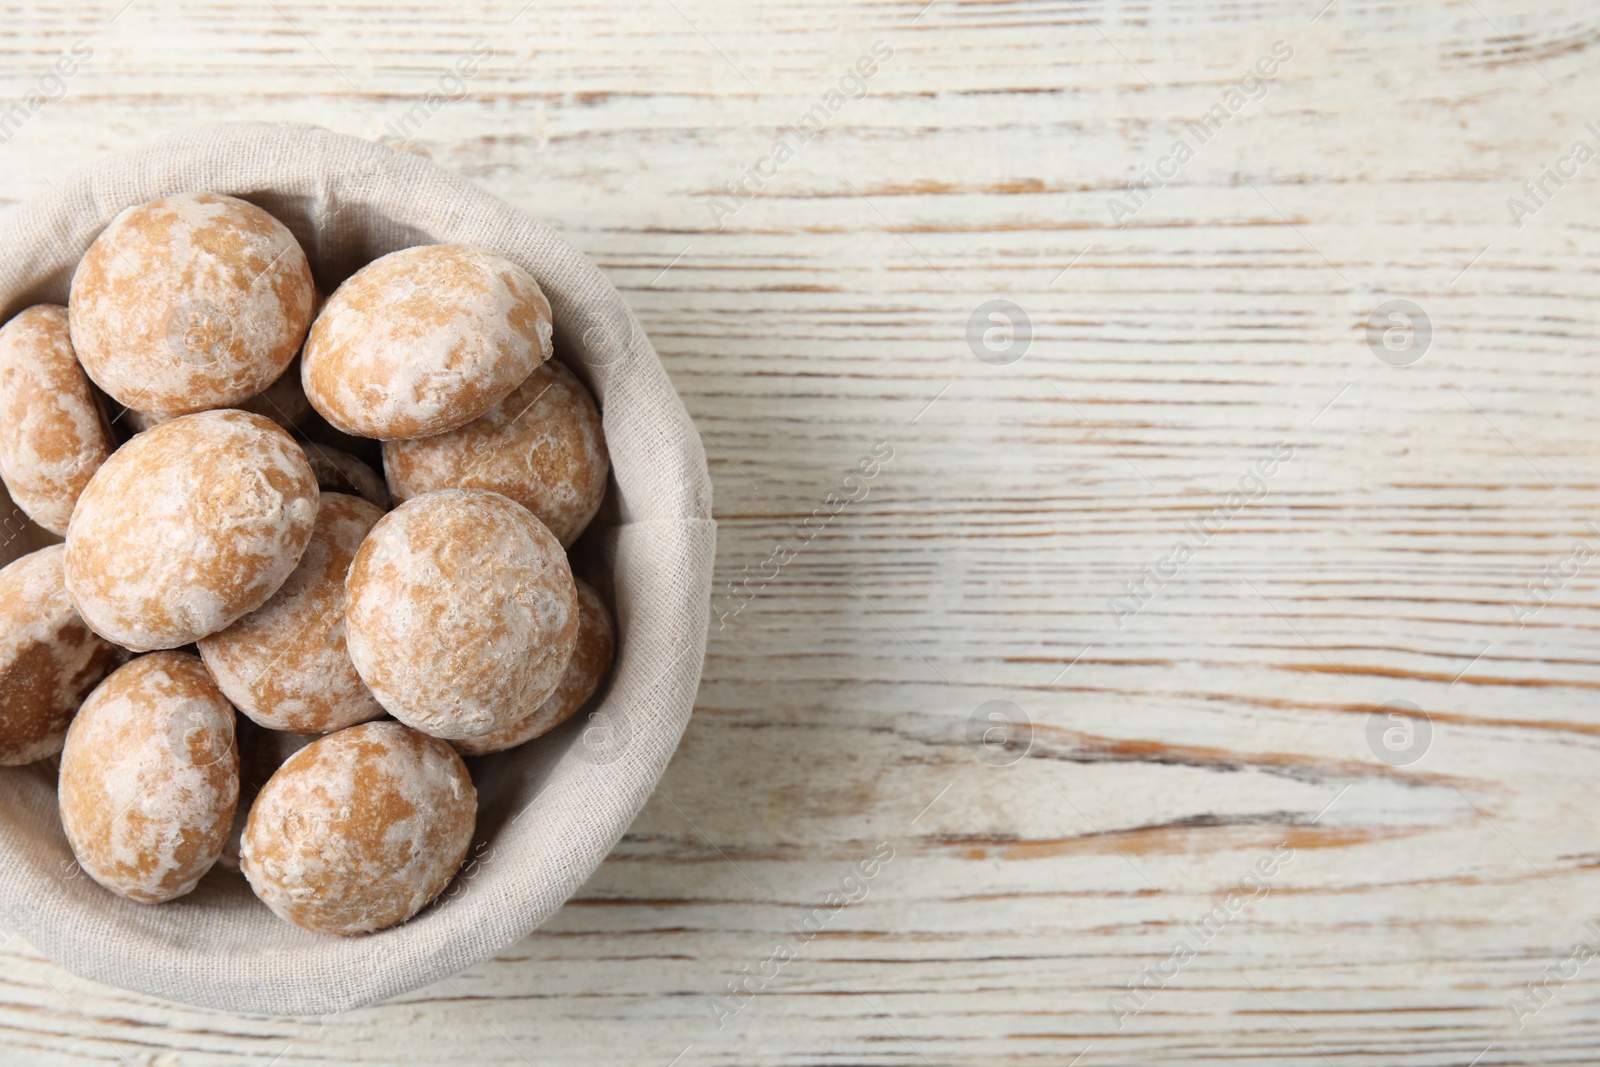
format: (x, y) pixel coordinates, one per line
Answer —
(542, 446)
(591, 659)
(150, 778)
(261, 753)
(425, 340)
(340, 472)
(187, 527)
(189, 303)
(49, 660)
(360, 830)
(462, 613)
(53, 436)
(284, 664)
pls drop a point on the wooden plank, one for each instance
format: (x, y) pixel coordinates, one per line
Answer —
(1227, 718)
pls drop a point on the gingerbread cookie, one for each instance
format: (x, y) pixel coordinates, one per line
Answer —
(53, 436)
(189, 303)
(462, 613)
(187, 527)
(150, 778)
(361, 829)
(542, 446)
(425, 340)
(49, 659)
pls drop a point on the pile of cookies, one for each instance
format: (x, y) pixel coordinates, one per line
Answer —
(240, 652)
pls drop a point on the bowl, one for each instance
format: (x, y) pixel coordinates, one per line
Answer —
(550, 811)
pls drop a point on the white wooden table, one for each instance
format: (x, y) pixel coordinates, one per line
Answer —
(1222, 717)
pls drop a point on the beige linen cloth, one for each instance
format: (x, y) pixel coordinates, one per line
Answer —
(549, 812)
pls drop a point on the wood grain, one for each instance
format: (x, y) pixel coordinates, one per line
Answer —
(1227, 718)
